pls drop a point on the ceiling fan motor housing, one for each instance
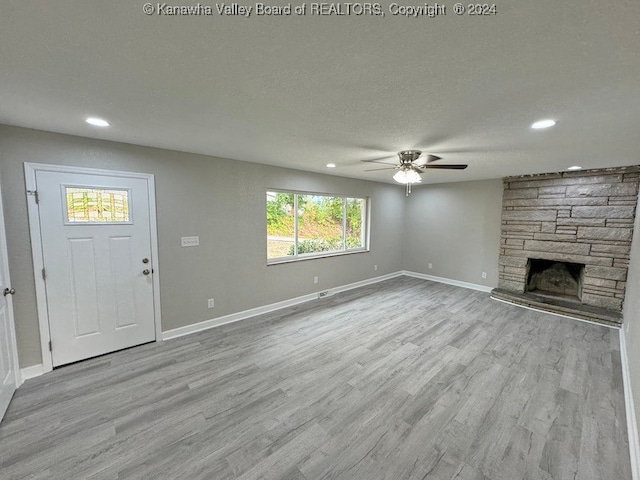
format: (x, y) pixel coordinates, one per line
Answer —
(409, 156)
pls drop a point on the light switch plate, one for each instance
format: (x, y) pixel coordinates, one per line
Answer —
(189, 241)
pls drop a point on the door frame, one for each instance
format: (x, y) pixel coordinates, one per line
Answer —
(10, 316)
(30, 170)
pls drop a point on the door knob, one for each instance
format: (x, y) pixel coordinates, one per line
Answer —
(145, 260)
(9, 291)
(146, 271)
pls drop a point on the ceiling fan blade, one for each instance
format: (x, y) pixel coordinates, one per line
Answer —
(418, 168)
(447, 167)
(381, 163)
(375, 169)
(378, 160)
(430, 158)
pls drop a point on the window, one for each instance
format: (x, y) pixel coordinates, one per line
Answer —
(97, 205)
(304, 225)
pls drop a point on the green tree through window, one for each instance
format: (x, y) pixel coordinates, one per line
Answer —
(301, 225)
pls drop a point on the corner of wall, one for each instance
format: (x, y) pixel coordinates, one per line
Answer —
(455, 227)
(630, 347)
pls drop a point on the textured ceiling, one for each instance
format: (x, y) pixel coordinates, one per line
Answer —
(302, 91)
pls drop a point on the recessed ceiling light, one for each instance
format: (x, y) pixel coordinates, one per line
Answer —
(543, 124)
(331, 165)
(575, 167)
(97, 122)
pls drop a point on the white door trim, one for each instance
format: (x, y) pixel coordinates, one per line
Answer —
(10, 316)
(30, 170)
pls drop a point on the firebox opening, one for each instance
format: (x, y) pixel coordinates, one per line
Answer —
(555, 279)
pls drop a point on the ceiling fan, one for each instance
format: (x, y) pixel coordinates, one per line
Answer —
(412, 163)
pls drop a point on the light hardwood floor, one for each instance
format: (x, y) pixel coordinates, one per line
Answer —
(406, 379)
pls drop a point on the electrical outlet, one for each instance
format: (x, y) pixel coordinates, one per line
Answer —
(430, 266)
(210, 303)
(484, 274)
(189, 241)
(375, 268)
(315, 279)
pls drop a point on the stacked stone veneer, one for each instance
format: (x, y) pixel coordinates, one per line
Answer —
(580, 217)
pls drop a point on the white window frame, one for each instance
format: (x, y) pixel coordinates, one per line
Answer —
(366, 228)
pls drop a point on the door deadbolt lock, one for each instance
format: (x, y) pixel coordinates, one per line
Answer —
(145, 260)
(9, 291)
(146, 271)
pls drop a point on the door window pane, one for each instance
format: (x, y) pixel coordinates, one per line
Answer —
(97, 205)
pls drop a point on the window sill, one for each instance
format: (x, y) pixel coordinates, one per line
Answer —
(278, 261)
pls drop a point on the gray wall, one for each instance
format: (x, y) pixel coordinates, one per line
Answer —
(631, 314)
(220, 200)
(455, 227)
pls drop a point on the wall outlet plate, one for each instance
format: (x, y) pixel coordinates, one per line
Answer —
(210, 303)
(315, 279)
(189, 241)
(484, 274)
(430, 266)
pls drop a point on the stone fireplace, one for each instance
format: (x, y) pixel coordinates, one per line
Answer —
(566, 240)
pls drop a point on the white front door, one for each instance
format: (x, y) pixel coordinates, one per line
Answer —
(8, 350)
(96, 248)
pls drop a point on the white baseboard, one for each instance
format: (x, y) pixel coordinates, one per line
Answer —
(632, 424)
(448, 281)
(31, 372)
(236, 317)
(363, 283)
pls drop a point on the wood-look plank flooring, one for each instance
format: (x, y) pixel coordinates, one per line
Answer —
(405, 379)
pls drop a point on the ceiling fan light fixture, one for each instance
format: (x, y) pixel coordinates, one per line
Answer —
(413, 177)
(401, 176)
(408, 175)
